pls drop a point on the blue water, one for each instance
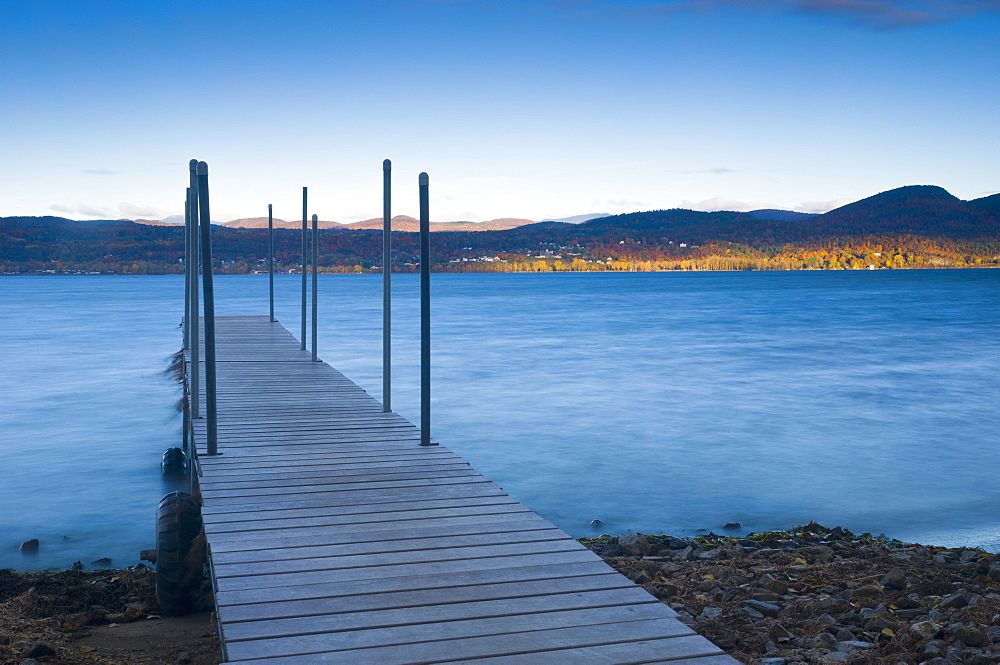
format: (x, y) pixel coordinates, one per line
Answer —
(655, 402)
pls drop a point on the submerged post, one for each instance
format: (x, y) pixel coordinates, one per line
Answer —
(187, 271)
(206, 262)
(315, 285)
(425, 314)
(270, 257)
(305, 265)
(193, 317)
(386, 286)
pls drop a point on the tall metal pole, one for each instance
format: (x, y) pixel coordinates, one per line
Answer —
(315, 287)
(187, 269)
(206, 262)
(195, 323)
(270, 256)
(187, 442)
(425, 314)
(305, 265)
(386, 286)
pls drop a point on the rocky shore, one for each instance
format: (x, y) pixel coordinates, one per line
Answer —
(820, 595)
(77, 617)
(808, 595)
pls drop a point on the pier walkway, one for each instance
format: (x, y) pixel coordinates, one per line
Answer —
(335, 538)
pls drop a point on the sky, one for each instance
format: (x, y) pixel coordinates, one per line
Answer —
(533, 109)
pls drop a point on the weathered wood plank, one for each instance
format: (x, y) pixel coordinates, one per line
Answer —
(581, 601)
(408, 569)
(309, 556)
(409, 597)
(478, 638)
(393, 584)
(340, 556)
(270, 523)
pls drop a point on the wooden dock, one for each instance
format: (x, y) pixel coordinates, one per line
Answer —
(335, 538)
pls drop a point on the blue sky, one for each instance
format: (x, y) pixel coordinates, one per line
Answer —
(518, 108)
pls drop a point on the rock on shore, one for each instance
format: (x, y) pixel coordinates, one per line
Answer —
(820, 595)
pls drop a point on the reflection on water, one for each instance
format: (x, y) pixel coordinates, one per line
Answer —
(656, 402)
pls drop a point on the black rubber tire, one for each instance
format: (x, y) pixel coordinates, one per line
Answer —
(174, 462)
(180, 553)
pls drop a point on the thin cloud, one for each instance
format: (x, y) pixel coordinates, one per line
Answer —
(821, 206)
(723, 203)
(876, 14)
(881, 14)
(620, 203)
(716, 171)
(127, 210)
(97, 171)
(133, 211)
(84, 210)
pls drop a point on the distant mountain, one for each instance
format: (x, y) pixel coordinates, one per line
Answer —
(261, 223)
(988, 204)
(50, 221)
(578, 219)
(781, 215)
(914, 209)
(158, 222)
(399, 223)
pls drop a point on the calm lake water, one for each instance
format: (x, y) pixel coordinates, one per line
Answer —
(665, 402)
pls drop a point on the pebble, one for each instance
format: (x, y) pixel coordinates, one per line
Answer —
(845, 635)
(767, 609)
(38, 650)
(960, 599)
(641, 577)
(972, 636)
(710, 613)
(852, 645)
(823, 641)
(894, 579)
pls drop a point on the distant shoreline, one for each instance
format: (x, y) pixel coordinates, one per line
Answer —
(495, 272)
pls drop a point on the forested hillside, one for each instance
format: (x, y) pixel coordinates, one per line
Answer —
(909, 227)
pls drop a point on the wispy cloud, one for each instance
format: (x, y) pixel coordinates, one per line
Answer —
(84, 210)
(97, 171)
(716, 171)
(132, 210)
(821, 206)
(723, 203)
(623, 204)
(127, 210)
(877, 14)
(726, 203)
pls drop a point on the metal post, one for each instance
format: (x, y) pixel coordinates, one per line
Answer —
(270, 256)
(386, 286)
(195, 322)
(187, 271)
(315, 286)
(304, 267)
(425, 315)
(206, 262)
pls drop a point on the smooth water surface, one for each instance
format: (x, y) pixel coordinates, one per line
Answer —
(655, 402)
